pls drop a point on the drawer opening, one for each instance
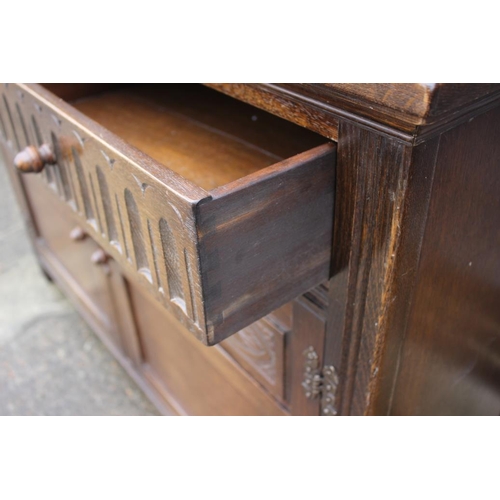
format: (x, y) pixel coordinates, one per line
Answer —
(197, 132)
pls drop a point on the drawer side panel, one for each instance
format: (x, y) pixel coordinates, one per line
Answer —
(266, 239)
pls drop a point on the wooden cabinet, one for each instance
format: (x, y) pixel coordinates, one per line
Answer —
(336, 245)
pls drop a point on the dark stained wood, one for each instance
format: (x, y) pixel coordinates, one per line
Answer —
(372, 181)
(72, 91)
(309, 115)
(308, 331)
(271, 234)
(414, 217)
(404, 222)
(380, 292)
(406, 110)
(450, 362)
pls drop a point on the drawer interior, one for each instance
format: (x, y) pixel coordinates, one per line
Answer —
(199, 133)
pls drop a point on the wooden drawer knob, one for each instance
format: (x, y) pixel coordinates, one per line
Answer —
(99, 257)
(33, 159)
(77, 234)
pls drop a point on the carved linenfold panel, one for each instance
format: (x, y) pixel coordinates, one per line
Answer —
(260, 349)
(256, 345)
(98, 184)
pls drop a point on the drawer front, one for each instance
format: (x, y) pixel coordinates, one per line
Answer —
(217, 260)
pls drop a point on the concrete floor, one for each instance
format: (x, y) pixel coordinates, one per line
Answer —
(50, 361)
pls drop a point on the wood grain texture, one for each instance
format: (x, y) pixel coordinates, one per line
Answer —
(260, 349)
(91, 283)
(196, 380)
(406, 261)
(408, 111)
(308, 332)
(408, 316)
(201, 154)
(161, 227)
(372, 181)
(82, 145)
(269, 234)
(450, 360)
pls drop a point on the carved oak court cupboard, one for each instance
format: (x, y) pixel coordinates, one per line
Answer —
(265, 249)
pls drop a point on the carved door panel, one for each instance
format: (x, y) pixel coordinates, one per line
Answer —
(284, 353)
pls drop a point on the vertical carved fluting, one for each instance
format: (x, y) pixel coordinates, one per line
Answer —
(123, 234)
(3, 129)
(172, 263)
(120, 206)
(84, 190)
(61, 168)
(36, 130)
(136, 234)
(108, 208)
(46, 173)
(11, 121)
(154, 252)
(190, 282)
(51, 173)
(99, 223)
(26, 137)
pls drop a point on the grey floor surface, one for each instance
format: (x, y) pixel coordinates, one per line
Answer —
(50, 361)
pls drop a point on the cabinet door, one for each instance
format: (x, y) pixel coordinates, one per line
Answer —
(72, 258)
(194, 379)
(259, 371)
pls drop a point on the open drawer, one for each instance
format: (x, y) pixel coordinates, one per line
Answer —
(187, 190)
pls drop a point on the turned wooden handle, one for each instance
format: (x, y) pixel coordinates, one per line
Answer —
(77, 234)
(99, 257)
(33, 159)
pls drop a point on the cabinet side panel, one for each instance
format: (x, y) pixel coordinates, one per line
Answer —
(450, 361)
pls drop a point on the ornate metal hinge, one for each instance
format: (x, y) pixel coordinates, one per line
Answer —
(320, 383)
